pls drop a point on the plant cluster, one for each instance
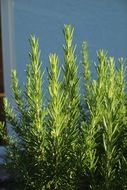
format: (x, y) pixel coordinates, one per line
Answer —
(77, 141)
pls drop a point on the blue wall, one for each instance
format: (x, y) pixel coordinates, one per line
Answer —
(102, 23)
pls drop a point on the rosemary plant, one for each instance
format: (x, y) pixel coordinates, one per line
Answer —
(67, 145)
(71, 108)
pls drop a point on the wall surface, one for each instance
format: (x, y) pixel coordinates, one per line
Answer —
(103, 24)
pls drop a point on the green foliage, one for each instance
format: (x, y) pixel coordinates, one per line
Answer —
(106, 102)
(68, 144)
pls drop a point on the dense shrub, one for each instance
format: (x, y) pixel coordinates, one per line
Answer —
(78, 141)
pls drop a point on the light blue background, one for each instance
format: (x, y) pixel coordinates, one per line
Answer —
(102, 23)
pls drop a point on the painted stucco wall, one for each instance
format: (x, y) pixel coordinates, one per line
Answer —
(102, 23)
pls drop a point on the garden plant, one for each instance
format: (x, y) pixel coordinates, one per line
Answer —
(75, 141)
